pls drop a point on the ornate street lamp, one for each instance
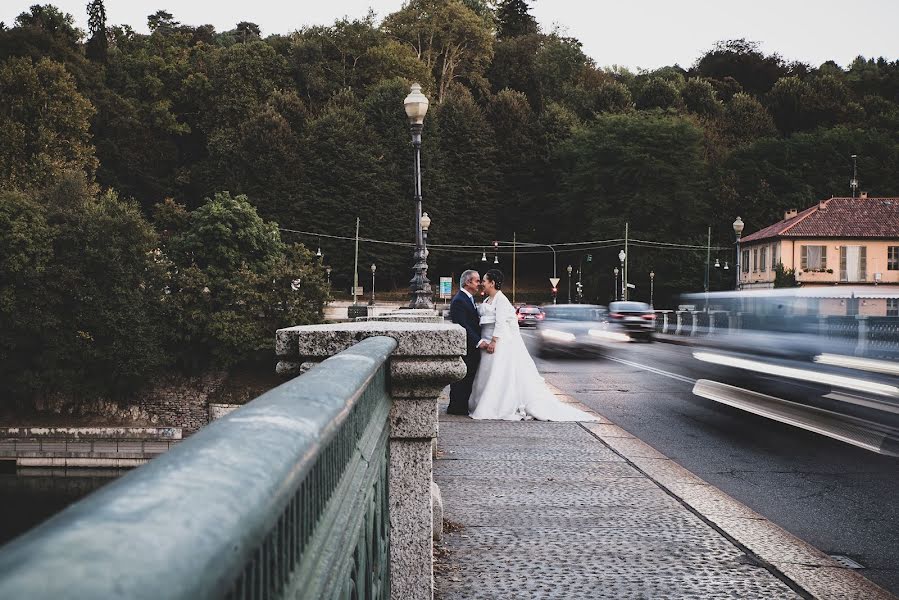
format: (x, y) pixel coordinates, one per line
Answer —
(373, 269)
(621, 257)
(738, 229)
(416, 105)
(569, 283)
(425, 223)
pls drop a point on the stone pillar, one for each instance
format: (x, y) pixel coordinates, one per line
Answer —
(427, 358)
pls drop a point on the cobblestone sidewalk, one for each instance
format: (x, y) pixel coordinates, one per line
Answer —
(565, 510)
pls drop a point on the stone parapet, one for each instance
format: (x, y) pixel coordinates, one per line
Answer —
(428, 356)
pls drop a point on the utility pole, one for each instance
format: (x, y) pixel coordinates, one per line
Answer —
(624, 273)
(514, 240)
(356, 266)
(708, 258)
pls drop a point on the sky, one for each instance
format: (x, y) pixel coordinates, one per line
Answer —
(647, 34)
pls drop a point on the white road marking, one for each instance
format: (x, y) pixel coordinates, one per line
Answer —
(653, 370)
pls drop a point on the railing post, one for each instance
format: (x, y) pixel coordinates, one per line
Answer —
(427, 358)
(861, 346)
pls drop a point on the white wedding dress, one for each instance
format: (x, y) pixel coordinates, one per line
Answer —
(507, 385)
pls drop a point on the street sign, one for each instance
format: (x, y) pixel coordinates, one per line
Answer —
(631, 286)
(589, 258)
(359, 291)
(554, 281)
(446, 287)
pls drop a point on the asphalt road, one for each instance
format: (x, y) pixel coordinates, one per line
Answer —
(841, 499)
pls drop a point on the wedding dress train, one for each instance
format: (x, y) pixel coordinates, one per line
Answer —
(507, 385)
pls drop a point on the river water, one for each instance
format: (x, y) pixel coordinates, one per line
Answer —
(28, 497)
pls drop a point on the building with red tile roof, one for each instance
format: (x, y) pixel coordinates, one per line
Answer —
(836, 241)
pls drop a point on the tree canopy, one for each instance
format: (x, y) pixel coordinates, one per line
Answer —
(207, 156)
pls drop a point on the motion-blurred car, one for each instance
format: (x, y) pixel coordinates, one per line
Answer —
(821, 358)
(575, 329)
(636, 319)
(528, 315)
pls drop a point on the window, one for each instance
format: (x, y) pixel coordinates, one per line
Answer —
(893, 258)
(774, 257)
(853, 263)
(755, 260)
(813, 258)
(763, 261)
(893, 307)
(745, 260)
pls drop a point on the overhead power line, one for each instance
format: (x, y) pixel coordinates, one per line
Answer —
(508, 246)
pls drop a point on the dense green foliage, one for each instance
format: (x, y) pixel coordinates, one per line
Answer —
(525, 136)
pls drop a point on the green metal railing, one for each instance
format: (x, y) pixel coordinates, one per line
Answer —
(285, 497)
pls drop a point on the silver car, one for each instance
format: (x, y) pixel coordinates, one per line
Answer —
(575, 329)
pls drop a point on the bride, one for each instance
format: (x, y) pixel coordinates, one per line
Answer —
(507, 385)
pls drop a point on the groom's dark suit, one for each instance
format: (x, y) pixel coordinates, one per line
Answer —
(464, 313)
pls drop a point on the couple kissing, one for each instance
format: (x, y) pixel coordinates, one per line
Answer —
(502, 381)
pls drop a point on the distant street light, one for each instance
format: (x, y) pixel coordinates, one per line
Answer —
(495, 252)
(615, 290)
(416, 105)
(328, 271)
(738, 229)
(652, 278)
(621, 256)
(373, 269)
(569, 283)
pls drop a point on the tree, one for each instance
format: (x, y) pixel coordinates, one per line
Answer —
(613, 97)
(514, 66)
(49, 18)
(645, 169)
(784, 278)
(85, 325)
(162, 21)
(513, 19)
(559, 66)
(44, 123)
(514, 124)
(452, 40)
(745, 120)
(232, 282)
(25, 251)
(700, 98)
(744, 62)
(658, 93)
(98, 44)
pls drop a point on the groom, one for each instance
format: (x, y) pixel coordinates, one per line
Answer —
(464, 312)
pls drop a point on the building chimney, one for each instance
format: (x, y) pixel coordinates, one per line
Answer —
(864, 194)
(790, 214)
(822, 204)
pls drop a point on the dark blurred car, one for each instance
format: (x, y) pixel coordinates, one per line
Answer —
(528, 315)
(636, 319)
(575, 329)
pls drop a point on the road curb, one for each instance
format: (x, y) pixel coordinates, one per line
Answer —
(805, 568)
